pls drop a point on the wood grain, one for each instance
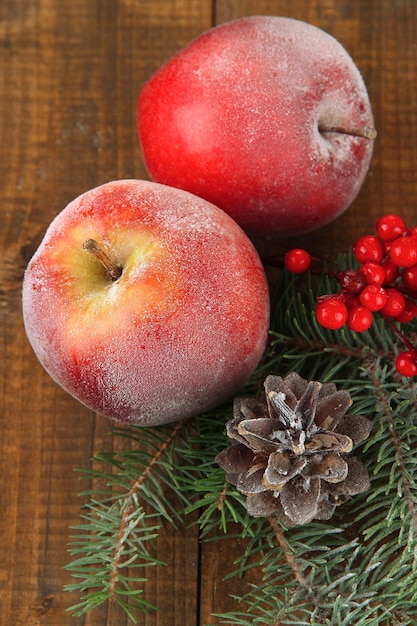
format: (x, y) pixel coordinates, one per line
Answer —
(70, 72)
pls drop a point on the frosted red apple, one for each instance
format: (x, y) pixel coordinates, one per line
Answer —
(146, 303)
(260, 116)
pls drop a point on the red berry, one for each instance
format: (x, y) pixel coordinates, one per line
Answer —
(373, 272)
(390, 270)
(404, 251)
(351, 300)
(389, 227)
(297, 260)
(409, 277)
(352, 281)
(395, 303)
(331, 312)
(360, 319)
(369, 248)
(408, 313)
(373, 297)
(406, 363)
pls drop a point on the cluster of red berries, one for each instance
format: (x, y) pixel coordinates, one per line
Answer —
(385, 283)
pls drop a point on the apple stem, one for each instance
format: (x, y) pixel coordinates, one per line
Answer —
(113, 270)
(366, 132)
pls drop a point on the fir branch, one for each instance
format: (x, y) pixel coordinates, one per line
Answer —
(374, 579)
(289, 556)
(396, 442)
(118, 535)
(358, 568)
(129, 508)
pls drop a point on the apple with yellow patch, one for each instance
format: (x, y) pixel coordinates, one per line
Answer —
(146, 303)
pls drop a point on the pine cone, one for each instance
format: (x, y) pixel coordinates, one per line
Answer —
(290, 453)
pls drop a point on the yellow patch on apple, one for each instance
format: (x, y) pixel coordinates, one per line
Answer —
(146, 268)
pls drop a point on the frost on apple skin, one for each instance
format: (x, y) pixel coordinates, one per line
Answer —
(236, 116)
(149, 360)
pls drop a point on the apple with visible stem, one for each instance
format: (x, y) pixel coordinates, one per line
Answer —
(146, 303)
(267, 117)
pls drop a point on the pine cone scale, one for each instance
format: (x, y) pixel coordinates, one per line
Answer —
(299, 499)
(251, 482)
(328, 441)
(332, 407)
(261, 433)
(280, 469)
(332, 468)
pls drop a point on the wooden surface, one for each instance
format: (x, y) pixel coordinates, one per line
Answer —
(70, 74)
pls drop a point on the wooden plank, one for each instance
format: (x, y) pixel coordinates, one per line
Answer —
(70, 72)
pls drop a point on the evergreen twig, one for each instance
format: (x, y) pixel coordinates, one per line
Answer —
(396, 443)
(358, 568)
(130, 506)
(289, 556)
(119, 533)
